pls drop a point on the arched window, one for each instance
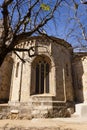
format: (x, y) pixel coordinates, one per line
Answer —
(42, 77)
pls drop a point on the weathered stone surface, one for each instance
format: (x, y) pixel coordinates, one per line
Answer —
(14, 111)
(23, 86)
(5, 79)
(80, 77)
(22, 91)
(21, 94)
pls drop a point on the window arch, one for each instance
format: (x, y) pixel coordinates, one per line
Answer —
(41, 71)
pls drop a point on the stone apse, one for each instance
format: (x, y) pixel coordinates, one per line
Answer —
(47, 83)
(44, 82)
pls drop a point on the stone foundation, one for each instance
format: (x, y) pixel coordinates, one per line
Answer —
(24, 111)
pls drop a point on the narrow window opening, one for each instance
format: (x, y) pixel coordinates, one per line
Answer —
(67, 71)
(17, 68)
(42, 77)
(47, 78)
(37, 79)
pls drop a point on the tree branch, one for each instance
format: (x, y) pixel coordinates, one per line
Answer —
(19, 57)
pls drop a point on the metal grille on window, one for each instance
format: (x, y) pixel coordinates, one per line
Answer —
(42, 77)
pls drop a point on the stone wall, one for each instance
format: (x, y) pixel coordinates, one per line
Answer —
(62, 60)
(60, 79)
(21, 93)
(5, 79)
(80, 77)
(60, 73)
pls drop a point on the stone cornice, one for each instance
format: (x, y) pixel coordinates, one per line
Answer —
(50, 38)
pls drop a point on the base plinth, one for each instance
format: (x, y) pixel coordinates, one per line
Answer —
(81, 109)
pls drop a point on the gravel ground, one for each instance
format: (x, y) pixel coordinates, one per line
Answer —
(45, 124)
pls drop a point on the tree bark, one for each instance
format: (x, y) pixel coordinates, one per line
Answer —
(3, 53)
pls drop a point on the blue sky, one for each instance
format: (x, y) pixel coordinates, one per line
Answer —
(1, 1)
(64, 25)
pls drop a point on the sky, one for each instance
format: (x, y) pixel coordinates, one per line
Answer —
(1, 1)
(68, 27)
(65, 24)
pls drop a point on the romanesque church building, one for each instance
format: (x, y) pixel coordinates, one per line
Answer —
(51, 81)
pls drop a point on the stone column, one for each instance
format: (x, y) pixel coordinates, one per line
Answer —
(84, 78)
(84, 81)
(26, 82)
(15, 81)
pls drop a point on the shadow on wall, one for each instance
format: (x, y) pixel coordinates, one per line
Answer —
(77, 73)
(5, 79)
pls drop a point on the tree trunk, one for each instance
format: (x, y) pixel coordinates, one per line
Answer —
(3, 53)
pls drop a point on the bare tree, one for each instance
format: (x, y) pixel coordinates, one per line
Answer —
(77, 25)
(21, 19)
